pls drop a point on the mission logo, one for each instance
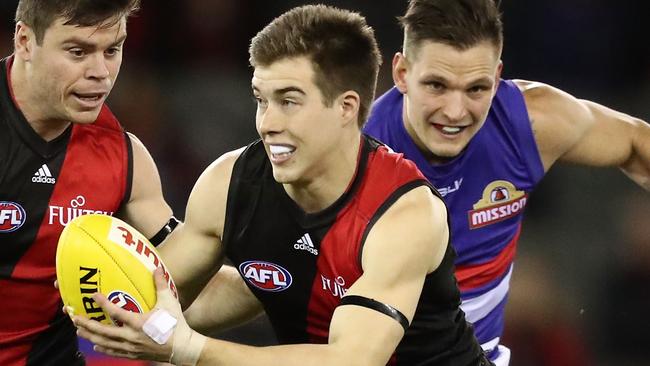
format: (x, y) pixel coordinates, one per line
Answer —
(501, 200)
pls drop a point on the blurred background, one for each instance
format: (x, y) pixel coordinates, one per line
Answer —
(579, 294)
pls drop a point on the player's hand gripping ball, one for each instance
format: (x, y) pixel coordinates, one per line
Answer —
(100, 253)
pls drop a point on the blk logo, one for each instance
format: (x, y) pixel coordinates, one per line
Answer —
(305, 243)
(43, 175)
(266, 276)
(12, 216)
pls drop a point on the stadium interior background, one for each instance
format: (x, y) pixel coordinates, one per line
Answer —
(579, 294)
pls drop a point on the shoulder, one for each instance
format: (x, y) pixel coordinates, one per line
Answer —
(222, 167)
(536, 96)
(207, 203)
(418, 218)
(136, 143)
(419, 201)
(558, 119)
(215, 179)
(391, 167)
(143, 162)
(543, 100)
(535, 89)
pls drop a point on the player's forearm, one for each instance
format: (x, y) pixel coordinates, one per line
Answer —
(217, 353)
(358, 337)
(189, 289)
(224, 303)
(184, 246)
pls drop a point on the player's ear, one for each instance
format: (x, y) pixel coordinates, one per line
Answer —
(24, 41)
(349, 103)
(399, 68)
(497, 77)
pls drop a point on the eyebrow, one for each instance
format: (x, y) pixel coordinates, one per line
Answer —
(482, 80)
(436, 78)
(279, 92)
(85, 44)
(289, 89)
(443, 80)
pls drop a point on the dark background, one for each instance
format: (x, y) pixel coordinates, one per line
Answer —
(580, 291)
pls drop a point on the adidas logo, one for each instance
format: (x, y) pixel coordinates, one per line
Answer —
(43, 175)
(305, 243)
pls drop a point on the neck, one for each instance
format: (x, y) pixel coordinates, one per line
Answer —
(31, 105)
(337, 170)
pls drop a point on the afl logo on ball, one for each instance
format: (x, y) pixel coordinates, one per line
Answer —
(12, 216)
(266, 276)
(125, 301)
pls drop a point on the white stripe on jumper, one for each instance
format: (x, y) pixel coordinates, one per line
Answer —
(476, 308)
(489, 345)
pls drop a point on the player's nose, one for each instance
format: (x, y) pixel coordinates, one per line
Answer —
(269, 121)
(455, 108)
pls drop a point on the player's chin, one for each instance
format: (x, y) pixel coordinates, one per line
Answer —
(447, 150)
(84, 117)
(286, 175)
(281, 176)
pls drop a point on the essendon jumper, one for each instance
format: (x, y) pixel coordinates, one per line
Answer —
(43, 184)
(300, 265)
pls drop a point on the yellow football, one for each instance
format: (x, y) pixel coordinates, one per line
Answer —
(100, 253)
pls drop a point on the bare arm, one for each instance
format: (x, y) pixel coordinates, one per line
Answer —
(579, 131)
(146, 209)
(224, 302)
(193, 252)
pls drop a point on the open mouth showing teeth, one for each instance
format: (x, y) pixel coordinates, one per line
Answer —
(280, 151)
(449, 130)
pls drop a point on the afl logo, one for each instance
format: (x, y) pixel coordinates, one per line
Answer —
(125, 301)
(12, 216)
(265, 276)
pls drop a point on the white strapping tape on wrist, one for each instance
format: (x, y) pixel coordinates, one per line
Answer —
(187, 347)
(160, 326)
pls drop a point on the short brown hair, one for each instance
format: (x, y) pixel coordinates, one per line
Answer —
(340, 44)
(40, 14)
(458, 23)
